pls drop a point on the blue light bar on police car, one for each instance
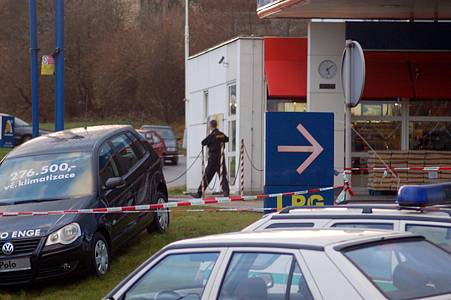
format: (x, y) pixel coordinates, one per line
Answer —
(424, 195)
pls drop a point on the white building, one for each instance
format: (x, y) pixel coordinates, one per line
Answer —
(227, 83)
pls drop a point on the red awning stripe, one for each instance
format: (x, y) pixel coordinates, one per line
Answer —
(286, 67)
(386, 77)
(389, 74)
(419, 75)
(432, 80)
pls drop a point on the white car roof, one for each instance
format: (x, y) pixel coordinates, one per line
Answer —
(299, 238)
(365, 210)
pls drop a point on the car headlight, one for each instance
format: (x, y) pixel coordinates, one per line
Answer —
(66, 235)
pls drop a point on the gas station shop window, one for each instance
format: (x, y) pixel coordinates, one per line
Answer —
(232, 100)
(436, 108)
(430, 135)
(377, 109)
(232, 168)
(232, 133)
(286, 105)
(381, 135)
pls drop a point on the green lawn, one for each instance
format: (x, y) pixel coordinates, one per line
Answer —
(184, 225)
(3, 152)
(179, 190)
(177, 127)
(76, 124)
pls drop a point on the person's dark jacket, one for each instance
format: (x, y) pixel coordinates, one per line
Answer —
(213, 141)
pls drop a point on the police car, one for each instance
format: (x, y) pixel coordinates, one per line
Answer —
(96, 167)
(421, 209)
(294, 264)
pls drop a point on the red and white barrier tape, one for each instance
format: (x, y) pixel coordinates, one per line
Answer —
(159, 206)
(241, 209)
(424, 169)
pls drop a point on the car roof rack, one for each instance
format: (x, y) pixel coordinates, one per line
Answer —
(372, 201)
(368, 208)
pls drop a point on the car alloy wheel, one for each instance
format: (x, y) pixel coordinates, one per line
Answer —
(161, 218)
(101, 256)
(162, 215)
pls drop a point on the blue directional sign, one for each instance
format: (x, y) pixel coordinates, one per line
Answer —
(299, 148)
(6, 131)
(299, 154)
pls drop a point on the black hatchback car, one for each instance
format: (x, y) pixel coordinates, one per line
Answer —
(96, 167)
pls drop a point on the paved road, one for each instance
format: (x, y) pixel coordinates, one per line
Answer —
(172, 172)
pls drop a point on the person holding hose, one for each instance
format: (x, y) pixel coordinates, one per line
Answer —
(214, 141)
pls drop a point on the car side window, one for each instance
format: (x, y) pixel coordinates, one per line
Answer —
(400, 270)
(124, 152)
(137, 146)
(177, 276)
(107, 165)
(439, 235)
(261, 276)
(383, 226)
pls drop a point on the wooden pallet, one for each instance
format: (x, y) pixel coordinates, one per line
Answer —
(379, 180)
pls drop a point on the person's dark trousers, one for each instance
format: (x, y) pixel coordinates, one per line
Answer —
(210, 171)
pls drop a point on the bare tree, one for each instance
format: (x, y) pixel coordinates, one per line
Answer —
(124, 58)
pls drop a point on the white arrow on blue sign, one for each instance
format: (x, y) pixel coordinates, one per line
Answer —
(299, 149)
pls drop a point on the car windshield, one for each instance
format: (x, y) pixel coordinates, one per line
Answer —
(399, 270)
(20, 122)
(49, 176)
(177, 276)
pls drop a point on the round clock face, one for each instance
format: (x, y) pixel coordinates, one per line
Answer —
(327, 69)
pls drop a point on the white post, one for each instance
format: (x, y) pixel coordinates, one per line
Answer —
(348, 122)
(186, 35)
(186, 136)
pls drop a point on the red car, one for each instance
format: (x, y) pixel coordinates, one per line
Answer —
(154, 139)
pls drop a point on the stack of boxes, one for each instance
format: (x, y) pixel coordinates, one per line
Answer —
(381, 180)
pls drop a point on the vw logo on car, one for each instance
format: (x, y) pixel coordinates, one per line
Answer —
(8, 248)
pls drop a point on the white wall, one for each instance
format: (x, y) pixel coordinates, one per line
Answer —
(243, 66)
(327, 41)
(252, 109)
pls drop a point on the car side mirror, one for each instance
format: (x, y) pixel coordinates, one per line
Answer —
(114, 182)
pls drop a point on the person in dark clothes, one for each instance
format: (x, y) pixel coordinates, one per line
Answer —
(214, 142)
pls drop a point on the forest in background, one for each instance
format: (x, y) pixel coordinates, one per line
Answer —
(123, 58)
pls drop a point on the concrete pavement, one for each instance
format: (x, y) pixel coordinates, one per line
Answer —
(172, 172)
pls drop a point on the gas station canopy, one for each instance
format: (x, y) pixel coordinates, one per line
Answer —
(356, 9)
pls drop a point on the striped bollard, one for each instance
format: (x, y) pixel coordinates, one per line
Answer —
(242, 168)
(221, 166)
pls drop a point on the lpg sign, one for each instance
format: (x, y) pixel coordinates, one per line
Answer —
(299, 156)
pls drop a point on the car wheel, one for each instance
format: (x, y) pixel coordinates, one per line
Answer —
(175, 161)
(26, 139)
(160, 222)
(100, 255)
